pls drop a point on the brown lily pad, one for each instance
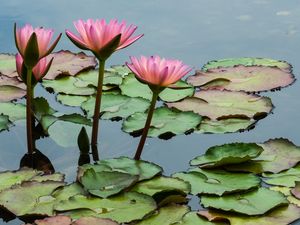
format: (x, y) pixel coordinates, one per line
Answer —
(11, 88)
(94, 221)
(243, 78)
(217, 105)
(68, 63)
(296, 190)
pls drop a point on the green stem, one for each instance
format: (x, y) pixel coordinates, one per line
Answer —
(140, 147)
(97, 111)
(29, 115)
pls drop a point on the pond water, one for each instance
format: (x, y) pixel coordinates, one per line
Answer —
(194, 31)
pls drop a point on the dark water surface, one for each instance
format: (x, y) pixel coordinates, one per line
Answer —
(194, 31)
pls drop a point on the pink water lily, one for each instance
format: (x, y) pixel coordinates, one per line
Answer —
(158, 71)
(95, 35)
(38, 71)
(43, 36)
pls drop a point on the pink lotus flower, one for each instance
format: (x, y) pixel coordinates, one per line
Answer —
(38, 71)
(43, 37)
(158, 71)
(97, 35)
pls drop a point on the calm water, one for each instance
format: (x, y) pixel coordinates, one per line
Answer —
(194, 31)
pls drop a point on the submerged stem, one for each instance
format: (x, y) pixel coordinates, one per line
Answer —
(29, 115)
(140, 147)
(96, 117)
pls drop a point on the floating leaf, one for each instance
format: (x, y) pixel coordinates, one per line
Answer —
(8, 65)
(15, 111)
(227, 154)
(243, 78)
(41, 108)
(296, 190)
(145, 170)
(225, 125)
(279, 154)
(165, 121)
(162, 184)
(281, 216)
(134, 88)
(286, 178)
(191, 218)
(29, 198)
(68, 63)
(218, 182)
(249, 203)
(4, 122)
(71, 100)
(116, 106)
(166, 215)
(93, 221)
(122, 70)
(246, 61)
(106, 183)
(9, 93)
(217, 105)
(55, 220)
(66, 85)
(123, 208)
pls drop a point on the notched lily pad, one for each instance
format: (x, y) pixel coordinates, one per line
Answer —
(115, 105)
(106, 183)
(134, 88)
(218, 105)
(165, 122)
(286, 178)
(218, 182)
(15, 111)
(249, 203)
(69, 63)
(227, 154)
(71, 100)
(4, 122)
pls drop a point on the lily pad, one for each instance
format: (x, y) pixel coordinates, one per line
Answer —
(218, 182)
(93, 221)
(145, 170)
(123, 208)
(41, 108)
(230, 125)
(227, 154)
(246, 61)
(243, 78)
(166, 215)
(165, 121)
(134, 88)
(54, 220)
(249, 203)
(116, 106)
(15, 111)
(29, 198)
(279, 154)
(192, 218)
(8, 65)
(162, 184)
(4, 122)
(68, 63)
(121, 70)
(296, 190)
(106, 183)
(280, 216)
(71, 100)
(218, 105)
(9, 93)
(286, 178)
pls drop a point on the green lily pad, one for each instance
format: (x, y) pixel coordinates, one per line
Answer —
(49, 177)
(67, 191)
(41, 108)
(243, 78)
(93, 221)
(134, 88)
(106, 183)
(286, 178)
(249, 203)
(296, 190)
(69, 63)
(218, 182)
(246, 61)
(166, 215)
(218, 105)
(165, 121)
(121, 70)
(145, 170)
(9, 93)
(223, 126)
(116, 106)
(4, 122)
(122, 208)
(162, 184)
(192, 218)
(30, 198)
(66, 85)
(8, 65)
(279, 154)
(15, 111)
(71, 100)
(227, 154)
(280, 216)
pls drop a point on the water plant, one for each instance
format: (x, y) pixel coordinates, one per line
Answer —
(102, 39)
